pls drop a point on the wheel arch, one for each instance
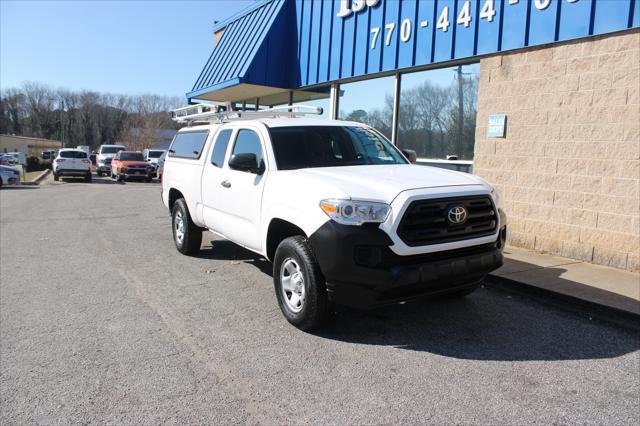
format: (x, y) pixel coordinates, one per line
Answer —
(174, 195)
(278, 230)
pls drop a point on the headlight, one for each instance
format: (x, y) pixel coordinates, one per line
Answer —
(497, 197)
(351, 212)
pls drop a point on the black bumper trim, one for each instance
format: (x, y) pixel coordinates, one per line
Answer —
(361, 270)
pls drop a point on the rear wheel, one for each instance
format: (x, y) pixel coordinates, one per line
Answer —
(186, 235)
(299, 284)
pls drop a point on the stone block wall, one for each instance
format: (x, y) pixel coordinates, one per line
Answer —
(569, 166)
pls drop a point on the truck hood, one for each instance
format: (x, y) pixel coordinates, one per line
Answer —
(385, 182)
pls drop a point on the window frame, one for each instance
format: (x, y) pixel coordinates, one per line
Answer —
(171, 152)
(226, 152)
(231, 147)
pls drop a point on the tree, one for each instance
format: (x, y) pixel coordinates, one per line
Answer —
(85, 117)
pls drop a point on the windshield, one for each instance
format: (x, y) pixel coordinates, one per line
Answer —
(73, 154)
(111, 149)
(131, 156)
(331, 146)
(154, 154)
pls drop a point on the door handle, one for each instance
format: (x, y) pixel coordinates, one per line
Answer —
(226, 184)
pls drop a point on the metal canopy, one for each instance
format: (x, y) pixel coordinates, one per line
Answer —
(253, 52)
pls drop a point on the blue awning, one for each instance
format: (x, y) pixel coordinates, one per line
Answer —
(252, 57)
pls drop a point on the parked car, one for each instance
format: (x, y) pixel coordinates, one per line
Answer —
(8, 159)
(48, 155)
(339, 210)
(160, 168)
(72, 162)
(152, 156)
(106, 152)
(21, 157)
(85, 148)
(9, 176)
(131, 165)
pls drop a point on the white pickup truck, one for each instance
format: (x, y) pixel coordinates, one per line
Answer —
(340, 212)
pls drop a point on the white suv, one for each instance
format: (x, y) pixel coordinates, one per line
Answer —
(72, 162)
(342, 214)
(104, 157)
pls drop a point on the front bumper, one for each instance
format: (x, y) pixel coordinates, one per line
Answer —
(72, 172)
(361, 270)
(137, 176)
(103, 168)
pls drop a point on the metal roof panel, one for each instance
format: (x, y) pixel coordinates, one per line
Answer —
(236, 50)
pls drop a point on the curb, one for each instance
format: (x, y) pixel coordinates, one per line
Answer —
(584, 308)
(38, 179)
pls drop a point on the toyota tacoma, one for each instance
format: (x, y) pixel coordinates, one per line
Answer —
(341, 213)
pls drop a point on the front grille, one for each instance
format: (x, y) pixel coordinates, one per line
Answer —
(135, 169)
(425, 221)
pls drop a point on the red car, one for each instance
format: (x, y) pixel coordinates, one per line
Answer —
(130, 165)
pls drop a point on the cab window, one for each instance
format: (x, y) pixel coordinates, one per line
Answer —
(188, 144)
(220, 147)
(248, 142)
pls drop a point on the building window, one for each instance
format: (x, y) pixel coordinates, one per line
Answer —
(437, 112)
(318, 97)
(369, 102)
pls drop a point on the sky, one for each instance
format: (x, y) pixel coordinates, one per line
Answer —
(123, 47)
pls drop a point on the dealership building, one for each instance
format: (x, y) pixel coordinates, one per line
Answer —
(539, 97)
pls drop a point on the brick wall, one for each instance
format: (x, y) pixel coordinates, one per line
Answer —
(569, 166)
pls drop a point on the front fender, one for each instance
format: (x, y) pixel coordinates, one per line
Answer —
(309, 222)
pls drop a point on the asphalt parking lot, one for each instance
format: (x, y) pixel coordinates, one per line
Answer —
(103, 321)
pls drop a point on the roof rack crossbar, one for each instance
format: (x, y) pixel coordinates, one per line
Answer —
(222, 113)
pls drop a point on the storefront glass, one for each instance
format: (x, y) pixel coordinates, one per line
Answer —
(437, 113)
(369, 102)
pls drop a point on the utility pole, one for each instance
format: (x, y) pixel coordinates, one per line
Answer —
(62, 122)
(458, 143)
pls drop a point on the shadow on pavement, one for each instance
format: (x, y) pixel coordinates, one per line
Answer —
(18, 188)
(490, 324)
(226, 250)
(550, 278)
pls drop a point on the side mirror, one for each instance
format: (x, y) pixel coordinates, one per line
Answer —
(245, 162)
(411, 155)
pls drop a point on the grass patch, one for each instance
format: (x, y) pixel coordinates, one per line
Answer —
(29, 176)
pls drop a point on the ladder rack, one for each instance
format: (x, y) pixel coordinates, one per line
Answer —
(222, 113)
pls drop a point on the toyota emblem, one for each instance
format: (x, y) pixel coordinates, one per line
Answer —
(457, 215)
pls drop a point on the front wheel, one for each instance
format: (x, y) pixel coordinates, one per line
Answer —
(186, 235)
(299, 284)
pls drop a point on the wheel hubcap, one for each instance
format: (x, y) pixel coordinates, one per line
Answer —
(178, 225)
(292, 283)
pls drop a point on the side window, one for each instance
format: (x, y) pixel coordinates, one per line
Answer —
(220, 147)
(188, 144)
(248, 142)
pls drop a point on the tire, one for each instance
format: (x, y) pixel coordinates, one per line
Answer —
(186, 235)
(56, 177)
(294, 257)
(148, 179)
(88, 178)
